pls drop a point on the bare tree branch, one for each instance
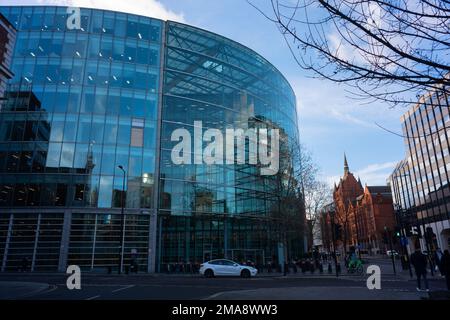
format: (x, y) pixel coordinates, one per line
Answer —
(389, 50)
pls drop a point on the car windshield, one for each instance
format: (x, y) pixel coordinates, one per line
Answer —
(228, 263)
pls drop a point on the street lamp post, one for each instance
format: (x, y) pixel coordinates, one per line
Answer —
(389, 236)
(357, 235)
(400, 215)
(400, 212)
(122, 221)
(333, 233)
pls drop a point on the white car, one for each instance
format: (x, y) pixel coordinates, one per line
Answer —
(223, 267)
(392, 253)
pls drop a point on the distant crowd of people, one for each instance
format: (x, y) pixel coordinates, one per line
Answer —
(310, 263)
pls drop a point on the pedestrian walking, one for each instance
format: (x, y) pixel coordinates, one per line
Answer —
(438, 259)
(419, 262)
(445, 265)
(303, 266)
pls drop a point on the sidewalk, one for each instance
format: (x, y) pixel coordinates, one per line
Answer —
(388, 271)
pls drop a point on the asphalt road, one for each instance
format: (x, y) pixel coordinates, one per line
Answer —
(194, 287)
(146, 287)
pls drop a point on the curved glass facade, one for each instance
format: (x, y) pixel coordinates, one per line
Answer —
(221, 210)
(109, 92)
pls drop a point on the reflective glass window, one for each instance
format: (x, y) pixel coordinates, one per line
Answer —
(57, 128)
(135, 163)
(67, 154)
(81, 156)
(132, 27)
(124, 134)
(111, 128)
(98, 127)
(97, 21)
(120, 28)
(54, 152)
(105, 192)
(84, 129)
(70, 128)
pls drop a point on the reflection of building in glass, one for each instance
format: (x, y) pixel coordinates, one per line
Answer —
(420, 182)
(110, 94)
(31, 156)
(7, 40)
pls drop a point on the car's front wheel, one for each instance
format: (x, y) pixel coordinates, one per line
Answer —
(245, 273)
(209, 273)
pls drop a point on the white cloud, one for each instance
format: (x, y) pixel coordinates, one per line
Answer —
(319, 100)
(331, 180)
(344, 50)
(346, 117)
(150, 8)
(373, 168)
(375, 19)
(373, 175)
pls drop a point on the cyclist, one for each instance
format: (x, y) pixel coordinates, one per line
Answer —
(352, 260)
(354, 264)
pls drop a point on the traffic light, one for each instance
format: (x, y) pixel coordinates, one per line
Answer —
(385, 237)
(397, 235)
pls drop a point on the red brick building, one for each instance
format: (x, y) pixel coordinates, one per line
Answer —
(372, 212)
(360, 215)
(344, 196)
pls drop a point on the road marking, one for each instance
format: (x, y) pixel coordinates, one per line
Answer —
(37, 292)
(92, 298)
(124, 288)
(213, 296)
(51, 289)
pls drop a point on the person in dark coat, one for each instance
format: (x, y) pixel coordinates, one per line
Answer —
(303, 266)
(419, 262)
(445, 265)
(438, 260)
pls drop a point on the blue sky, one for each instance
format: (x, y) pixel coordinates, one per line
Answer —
(330, 122)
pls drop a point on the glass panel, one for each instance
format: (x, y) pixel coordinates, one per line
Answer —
(124, 135)
(105, 194)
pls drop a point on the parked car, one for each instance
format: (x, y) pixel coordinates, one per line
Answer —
(392, 253)
(224, 267)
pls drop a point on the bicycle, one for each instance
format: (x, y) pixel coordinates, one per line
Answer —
(355, 267)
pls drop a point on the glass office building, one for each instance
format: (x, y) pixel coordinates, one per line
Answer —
(94, 90)
(420, 182)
